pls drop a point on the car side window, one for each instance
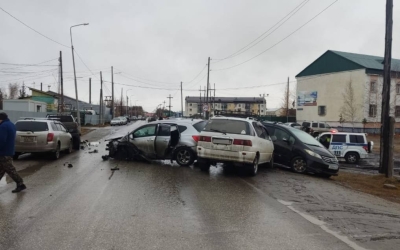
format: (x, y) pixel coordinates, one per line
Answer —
(259, 131)
(164, 130)
(322, 125)
(145, 131)
(54, 126)
(315, 125)
(62, 127)
(338, 138)
(281, 135)
(270, 130)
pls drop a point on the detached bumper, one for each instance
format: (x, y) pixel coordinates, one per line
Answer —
(226, 156)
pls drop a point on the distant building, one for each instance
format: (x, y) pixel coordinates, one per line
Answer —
(321, 85)
(194, 105)
(26, 105)
(49, 98)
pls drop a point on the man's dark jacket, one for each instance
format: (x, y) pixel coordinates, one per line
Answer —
(7, 138)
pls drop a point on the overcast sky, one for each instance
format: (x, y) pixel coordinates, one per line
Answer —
(159, 43)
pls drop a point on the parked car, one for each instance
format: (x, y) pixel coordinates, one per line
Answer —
(315, 128)
(116, 121)
(42, 135)
(300, 151)
(293, 125)
(72, 126)
(173, 140)
(234, 141)
(123, 120)
(349, 146)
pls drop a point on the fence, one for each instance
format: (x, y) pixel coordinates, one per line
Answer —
(362, 130)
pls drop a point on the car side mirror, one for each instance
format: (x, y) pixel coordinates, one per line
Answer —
(286, 140)
(273, 138)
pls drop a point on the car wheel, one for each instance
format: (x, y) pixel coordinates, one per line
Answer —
(56, 154)
(204, 165)
(69, 149)
(253, 168)
(352, 158)
(16, 156)
(298, 165)
(76, 142)
(184, 156)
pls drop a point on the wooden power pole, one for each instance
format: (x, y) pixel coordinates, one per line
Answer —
(386, 148)
(208, 86)
(62, 83)
(181, 100)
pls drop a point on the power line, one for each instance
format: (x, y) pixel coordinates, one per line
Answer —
(30, 65)
(279, 41)
(24, 78)
(33, 29)
(197, 74)
(80, 58)
(289, 15)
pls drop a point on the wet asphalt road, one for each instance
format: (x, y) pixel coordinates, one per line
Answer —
(164, 206)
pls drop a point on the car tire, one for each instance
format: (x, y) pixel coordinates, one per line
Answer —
(56, 154)
(16, 156)
(70, 147)
(352, 158)
(298, 165)
(204, 165)
(184, 156)
(76, 142)
(253, 168)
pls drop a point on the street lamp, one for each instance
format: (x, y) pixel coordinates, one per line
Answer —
(76, 84)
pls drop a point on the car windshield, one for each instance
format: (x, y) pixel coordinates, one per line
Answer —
(305, 138)
(228, 126)
(32, 126)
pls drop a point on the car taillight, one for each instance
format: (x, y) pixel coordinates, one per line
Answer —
(366, 148)
(242, 142)
(205, 138)
(50, 137)
(196, 137)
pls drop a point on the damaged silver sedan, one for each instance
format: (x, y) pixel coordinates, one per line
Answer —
(153, 141)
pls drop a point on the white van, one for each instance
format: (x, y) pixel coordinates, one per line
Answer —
(350, 146)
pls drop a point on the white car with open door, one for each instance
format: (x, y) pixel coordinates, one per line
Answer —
(154, 141)
(234, 141)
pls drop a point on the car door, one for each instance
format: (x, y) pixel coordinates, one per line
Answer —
(264, 146)
(144, 139)
(162, 140)
(283, 144)
(338, 145)
(64, 136)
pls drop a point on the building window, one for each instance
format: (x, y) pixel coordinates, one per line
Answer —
(190, 109)
(372, 87)
(262, 111)
(262, 106)
(321, 110)
(397, 111)
(398, 88)
(38, 108)
(372, 110)
(190, 105)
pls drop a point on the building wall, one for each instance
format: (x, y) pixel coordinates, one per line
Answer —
(330, 89)
(24, 105)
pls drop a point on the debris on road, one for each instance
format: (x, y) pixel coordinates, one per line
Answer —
(105, 157)
(93, 152)
(389, 186)
(113, 169)
(69, 165)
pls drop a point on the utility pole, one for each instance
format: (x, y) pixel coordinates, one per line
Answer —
(181, 100)
(112, 92)
(90, 90)
(214, 100)
(208, 86)
(287, 101)
(101, 99)
(127, 104)
(163, 106)
(62, 83)
(122, 90)
(201, 107)
(41, 86)
(169, 106)
(386, 147)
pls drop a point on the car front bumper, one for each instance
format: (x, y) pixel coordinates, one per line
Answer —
(226, 156)
(322, 167)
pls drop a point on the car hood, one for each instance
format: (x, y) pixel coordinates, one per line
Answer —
(321, 151)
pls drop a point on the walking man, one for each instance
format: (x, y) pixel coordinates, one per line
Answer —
(7, 147)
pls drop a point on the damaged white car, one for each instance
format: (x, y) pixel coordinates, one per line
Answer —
(154, 141)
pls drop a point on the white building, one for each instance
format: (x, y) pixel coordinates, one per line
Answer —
(24, 105)
(321, 87)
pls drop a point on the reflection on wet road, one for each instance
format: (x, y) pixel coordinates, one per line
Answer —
(160, 205)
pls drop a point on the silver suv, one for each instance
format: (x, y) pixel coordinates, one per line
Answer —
(38, 135)
(315, 128)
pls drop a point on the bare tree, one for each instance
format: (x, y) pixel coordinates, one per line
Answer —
(13, 90)
(1, 99)
(350, 107)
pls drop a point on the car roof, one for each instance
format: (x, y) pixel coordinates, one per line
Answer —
(185, 121)
(343, 133)
(233, 119)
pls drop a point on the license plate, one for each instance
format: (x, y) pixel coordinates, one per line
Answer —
(334, 167)
(28, 138)
(222, 141)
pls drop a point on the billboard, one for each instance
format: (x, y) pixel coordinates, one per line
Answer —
(307, 98)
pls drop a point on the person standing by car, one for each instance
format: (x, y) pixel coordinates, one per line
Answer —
(7, 145)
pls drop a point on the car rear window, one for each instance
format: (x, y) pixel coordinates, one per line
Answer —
(322, 125)
(338, 138)
(357, 139)
(32, 126)
(228, 126)
(62, 118)
(200, 125)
